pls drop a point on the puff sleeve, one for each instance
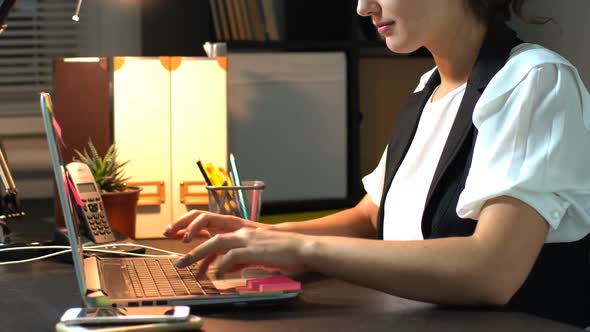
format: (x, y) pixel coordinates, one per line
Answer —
(532, 145)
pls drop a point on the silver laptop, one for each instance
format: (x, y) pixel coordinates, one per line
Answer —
(136, 281)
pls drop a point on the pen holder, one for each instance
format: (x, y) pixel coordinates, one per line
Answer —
(243, 201)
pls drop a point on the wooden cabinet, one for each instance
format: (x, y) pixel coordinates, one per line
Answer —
(160, 111)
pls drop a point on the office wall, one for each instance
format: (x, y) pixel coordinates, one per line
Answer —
(570, 35)
(113, 27)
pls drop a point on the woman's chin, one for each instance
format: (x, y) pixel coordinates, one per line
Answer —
(401, 48)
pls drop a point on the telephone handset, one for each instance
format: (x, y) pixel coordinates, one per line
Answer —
(92, 214)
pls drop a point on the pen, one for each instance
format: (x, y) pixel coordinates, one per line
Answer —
(238, 183)
(206, 177)
(232, 198)
(202, 169)
(219, 180)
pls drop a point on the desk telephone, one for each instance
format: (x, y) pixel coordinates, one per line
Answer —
(92, 214)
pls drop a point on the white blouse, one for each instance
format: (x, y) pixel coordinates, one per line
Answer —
(533, 144)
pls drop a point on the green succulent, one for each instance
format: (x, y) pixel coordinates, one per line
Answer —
(107, 172)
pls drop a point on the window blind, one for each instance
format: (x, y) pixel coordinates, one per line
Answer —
(38, 31)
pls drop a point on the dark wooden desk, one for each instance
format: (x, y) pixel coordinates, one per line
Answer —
(34, 296)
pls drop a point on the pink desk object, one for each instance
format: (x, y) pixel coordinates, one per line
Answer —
(270, 284)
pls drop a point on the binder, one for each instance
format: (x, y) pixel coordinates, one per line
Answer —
(256, 20)
(216, 20)
(270, 19)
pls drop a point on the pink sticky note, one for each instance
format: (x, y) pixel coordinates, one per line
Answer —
(75, 192)
(245, 289)
(254, 283)
(285, 286)
(57, 128)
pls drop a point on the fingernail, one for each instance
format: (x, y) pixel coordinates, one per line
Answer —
(185, 238)
(183, 262)
(167, 230)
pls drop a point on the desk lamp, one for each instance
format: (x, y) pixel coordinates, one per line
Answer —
(10, 207)
(5, 6)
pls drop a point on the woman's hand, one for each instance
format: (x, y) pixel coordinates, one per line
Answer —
(248, 246)
(199, 223)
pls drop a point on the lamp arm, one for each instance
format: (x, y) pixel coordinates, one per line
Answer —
(5, 174)
(10, 206)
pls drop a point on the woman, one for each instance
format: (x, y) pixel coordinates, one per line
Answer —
(487, 195)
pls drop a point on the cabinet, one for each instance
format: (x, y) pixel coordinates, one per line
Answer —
(160, 111)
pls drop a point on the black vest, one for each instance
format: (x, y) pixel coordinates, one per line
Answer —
(558, 287)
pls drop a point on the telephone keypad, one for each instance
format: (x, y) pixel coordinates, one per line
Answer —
(98, 225)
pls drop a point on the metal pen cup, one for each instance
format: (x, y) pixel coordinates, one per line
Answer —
(243, 201)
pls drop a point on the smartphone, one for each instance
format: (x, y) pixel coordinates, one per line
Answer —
(126, 315)
(194, 323)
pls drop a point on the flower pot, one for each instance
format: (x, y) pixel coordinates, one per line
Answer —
(121, 209)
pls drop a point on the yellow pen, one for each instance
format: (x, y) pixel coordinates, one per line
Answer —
(217, 178)
(233, 198)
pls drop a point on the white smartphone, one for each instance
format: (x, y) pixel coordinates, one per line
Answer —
(125, 315)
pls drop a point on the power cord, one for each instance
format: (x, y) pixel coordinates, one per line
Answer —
(94, 248)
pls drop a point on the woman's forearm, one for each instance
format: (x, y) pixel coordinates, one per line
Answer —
(444, 271)
(354, 222)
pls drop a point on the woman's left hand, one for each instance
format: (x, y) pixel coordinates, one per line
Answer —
(286, 251)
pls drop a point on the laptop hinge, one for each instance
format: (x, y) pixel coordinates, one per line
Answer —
(91, 275)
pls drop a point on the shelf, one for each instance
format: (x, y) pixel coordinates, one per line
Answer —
(293, 46)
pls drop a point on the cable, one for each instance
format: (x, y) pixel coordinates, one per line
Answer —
(94, 248)
(135, 245)
(35, 258)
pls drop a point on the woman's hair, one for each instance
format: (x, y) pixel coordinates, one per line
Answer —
(487, 10)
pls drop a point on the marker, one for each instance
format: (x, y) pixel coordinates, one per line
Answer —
(238, 183)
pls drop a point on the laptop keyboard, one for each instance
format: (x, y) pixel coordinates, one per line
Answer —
(157, 277)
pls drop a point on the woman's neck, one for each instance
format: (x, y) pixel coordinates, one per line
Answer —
(455, 52)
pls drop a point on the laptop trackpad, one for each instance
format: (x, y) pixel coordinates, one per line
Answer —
(116, 282)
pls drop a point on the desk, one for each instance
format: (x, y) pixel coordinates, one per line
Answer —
(34, 296)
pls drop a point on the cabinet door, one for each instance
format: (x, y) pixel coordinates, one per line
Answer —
(141, 98)
(199, 126)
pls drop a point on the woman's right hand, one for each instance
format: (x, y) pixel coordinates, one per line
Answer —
(198, 223)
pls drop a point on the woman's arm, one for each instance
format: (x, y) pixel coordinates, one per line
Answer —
(358, 221)
(484, 269)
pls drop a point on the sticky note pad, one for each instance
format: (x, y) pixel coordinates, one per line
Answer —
(255, 283)
(269, 284)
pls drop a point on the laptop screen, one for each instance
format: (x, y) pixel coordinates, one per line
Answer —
(56, 146)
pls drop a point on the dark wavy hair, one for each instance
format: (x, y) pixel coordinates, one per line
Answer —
(487, 10)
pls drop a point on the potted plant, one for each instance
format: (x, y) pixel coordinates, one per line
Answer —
(119, 199)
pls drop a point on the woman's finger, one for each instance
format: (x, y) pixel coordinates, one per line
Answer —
(201, 223)
(181, 223)
(204, 266)
(235, 257)
(217, 244)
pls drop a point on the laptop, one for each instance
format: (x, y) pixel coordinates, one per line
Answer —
(138, 281)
